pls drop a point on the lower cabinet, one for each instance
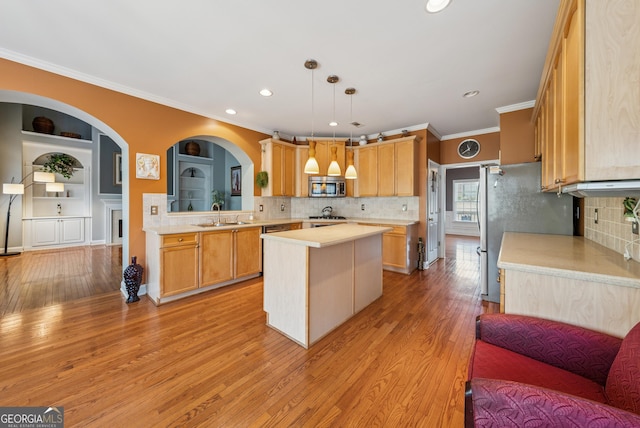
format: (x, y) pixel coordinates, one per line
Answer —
(178, 263)
(399, 248)
(182, 264)
(57, 231)
(229, 254)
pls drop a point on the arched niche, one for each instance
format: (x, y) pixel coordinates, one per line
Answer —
(180, 164)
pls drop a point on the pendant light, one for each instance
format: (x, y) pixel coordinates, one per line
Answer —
(350, 173)
(311, 166)
(334, 167)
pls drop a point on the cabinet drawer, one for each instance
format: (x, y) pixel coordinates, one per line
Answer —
(179, 239)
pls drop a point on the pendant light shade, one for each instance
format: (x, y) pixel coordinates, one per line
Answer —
(334, 168)
(311, 166)
(350, 173)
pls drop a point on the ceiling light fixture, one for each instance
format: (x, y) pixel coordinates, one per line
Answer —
(266, 92)
(334, 168)
(435, 6)
(311, 166)
(350, 173)
(470, 94)
(230, 111)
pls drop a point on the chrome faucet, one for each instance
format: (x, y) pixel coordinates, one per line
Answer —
(216, 205)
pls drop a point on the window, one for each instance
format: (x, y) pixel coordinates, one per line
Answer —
(465, 200)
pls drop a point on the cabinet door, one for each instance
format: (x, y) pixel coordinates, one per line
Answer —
(216, 257)
(71, 230)
(367, 183)
(386, 170)
(302, 179)
(45, 232)
(277, 166)
(322, 156)
(394, 250)
(179, 269)
(406, 166)
(288, 170)
(248, 251)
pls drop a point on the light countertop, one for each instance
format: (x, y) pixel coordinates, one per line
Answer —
(319, 237)
(190, 228)
(567, 256)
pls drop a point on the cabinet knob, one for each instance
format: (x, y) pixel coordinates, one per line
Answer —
(559, 180)
(180, 239)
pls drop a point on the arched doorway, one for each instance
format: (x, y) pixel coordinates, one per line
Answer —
(36, 100)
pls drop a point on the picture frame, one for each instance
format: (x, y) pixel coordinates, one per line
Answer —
(147, 166)
(236, 181)
(117, 169)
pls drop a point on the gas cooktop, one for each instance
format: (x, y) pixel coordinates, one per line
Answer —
(330, 217)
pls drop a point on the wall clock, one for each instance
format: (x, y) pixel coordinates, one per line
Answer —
(469, 148)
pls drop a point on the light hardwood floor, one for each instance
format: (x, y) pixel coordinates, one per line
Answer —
(210, 360)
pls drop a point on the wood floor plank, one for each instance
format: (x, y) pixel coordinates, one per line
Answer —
(211, 361)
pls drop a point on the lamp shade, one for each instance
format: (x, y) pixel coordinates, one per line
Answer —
(334, 168)
(44, 177)
(54, 187)
(13, 188)
(350, 173)
(311, 166)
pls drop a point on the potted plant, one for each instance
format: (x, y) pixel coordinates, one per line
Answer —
(59, 163)
(217, 197)
(262, 179)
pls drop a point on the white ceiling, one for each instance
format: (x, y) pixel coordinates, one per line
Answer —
(409, 68)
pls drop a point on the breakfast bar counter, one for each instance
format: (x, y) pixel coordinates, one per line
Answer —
(315, 279)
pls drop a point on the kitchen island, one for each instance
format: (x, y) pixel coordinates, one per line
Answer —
(315, 279)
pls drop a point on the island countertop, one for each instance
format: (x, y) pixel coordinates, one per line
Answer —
(319, 237)
(571, 257)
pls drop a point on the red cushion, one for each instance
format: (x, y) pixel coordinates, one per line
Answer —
(493, 362)
(623, 383)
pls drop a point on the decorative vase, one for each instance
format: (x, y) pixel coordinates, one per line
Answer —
(132, 278)
(192, 148)
(363, 140)
(43, 125)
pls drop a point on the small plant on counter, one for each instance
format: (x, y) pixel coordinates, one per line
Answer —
(629, 206)
(262, 179)
(217, 197)
(59, 163)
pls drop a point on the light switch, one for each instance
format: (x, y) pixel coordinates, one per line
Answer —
(154, 210)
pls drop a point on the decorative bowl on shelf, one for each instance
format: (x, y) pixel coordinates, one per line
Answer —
(43, 125)
(192, 148)
(70, 135)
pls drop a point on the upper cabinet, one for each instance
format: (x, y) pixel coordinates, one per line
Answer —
(388, 168)
(588, 104)
(279, 160)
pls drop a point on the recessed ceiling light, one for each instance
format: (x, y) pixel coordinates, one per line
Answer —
(435, 6)
(333, 123)
(470, 94)
(230, 111)
(266, 92)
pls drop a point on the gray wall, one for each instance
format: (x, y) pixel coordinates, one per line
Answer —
(108, 148)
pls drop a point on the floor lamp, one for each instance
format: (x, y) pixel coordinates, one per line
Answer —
(13, 190)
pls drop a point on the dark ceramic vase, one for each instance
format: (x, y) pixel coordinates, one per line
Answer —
(132, 278)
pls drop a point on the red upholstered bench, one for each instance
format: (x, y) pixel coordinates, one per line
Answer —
(527, 371)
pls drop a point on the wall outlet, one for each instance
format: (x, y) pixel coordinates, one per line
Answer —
(362, 207)
(260, 208)
(281, 207)
(595, 217)
(154, 210)
(634, 227)
(404, 207)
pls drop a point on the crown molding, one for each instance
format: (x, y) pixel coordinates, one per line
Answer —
(471, 133)
(516, 107)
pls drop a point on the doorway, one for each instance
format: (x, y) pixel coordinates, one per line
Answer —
(433, 212)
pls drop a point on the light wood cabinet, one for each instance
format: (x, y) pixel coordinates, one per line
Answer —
(279, 160)
(388, 168)
(229, 254)
(399, 248)
(588, 103)
(178, 263)
(323, 157)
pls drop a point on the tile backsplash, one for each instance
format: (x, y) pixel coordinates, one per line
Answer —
(612, 230)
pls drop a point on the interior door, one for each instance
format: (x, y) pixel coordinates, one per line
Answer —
(433, 212)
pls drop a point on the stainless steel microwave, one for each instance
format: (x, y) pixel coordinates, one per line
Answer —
(327, 187)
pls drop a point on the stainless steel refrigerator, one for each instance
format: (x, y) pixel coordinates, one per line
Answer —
(510, 200)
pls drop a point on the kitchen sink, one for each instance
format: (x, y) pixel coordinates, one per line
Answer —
(230, 223)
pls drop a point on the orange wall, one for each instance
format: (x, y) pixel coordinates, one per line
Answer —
(517, 137)
(147, 127)
(489, 149)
